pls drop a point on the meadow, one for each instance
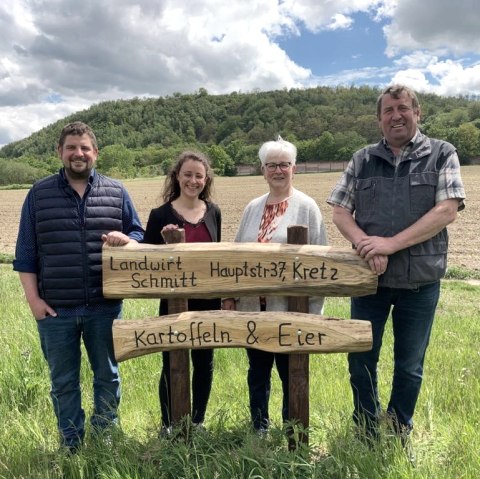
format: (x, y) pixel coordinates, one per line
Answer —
(446, 437)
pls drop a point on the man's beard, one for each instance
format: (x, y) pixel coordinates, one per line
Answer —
(78, 175)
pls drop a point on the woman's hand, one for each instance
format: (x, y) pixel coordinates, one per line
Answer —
(169, 227)
(166, 228)
(228, 304)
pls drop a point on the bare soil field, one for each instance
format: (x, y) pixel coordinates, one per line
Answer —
(232, 194)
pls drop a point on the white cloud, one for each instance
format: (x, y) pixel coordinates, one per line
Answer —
(441, 36)
(385, 9)
(455, 79)
(428, 73)
(317, 14)
(417, 59)
(339, 21)
(57, 58)
(433, 25)
(20, 121)
(106, 50)
(413, 78)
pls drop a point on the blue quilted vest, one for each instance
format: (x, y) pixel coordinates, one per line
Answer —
(69, 243)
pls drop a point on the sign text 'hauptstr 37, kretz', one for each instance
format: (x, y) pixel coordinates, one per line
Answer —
(201, 270)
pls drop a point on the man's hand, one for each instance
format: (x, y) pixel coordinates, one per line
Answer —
(378, 264)
(426, 227)
(40, 309)
(370, 246)
(115, 238)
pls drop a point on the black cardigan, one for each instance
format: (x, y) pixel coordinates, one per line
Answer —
(164, 215)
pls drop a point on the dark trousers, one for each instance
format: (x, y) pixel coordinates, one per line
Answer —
(259, 384)
(412, 318)
(202, 377)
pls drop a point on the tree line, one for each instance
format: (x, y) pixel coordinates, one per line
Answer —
(141, 137)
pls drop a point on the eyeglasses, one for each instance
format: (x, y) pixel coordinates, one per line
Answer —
(272, 167)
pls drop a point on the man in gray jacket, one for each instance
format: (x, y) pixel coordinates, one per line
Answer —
(393, 204)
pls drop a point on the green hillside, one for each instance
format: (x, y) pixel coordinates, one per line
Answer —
(140, 137)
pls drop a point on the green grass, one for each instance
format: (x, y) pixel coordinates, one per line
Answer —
(16, 186)
(446, 436)
(458, 272)
(6, 258)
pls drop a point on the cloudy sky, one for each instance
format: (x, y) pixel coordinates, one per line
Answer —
(60, 56)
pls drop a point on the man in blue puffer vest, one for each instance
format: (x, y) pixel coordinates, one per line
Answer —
(393, 203)
(65, 220)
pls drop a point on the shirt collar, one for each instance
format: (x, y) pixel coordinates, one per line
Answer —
(406, 147)
(91, 179)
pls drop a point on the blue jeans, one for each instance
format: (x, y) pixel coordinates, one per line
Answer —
(60, 339)
(412, 318)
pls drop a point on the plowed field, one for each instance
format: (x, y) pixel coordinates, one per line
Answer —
(232, 194)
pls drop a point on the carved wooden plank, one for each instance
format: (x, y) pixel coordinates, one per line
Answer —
(270, 331)
(203, 270)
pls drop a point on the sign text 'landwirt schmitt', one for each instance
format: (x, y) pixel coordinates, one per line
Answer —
(200, 270)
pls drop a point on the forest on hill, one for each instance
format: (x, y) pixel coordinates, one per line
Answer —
(141, 137)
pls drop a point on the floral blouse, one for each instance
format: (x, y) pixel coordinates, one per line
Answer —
(272, 215)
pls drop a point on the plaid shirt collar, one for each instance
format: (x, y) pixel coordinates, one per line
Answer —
(405, 151)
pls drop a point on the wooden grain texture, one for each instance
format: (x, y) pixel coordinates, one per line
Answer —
(298, 364)
(180, 404)
(269, 331)
(202, 270)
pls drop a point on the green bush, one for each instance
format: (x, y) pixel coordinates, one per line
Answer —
(14, 172)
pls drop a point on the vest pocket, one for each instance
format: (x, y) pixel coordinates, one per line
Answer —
(422, 191)
(428, 260)
(364, 195)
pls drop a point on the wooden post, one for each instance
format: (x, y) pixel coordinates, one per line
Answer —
(298, 364)
(179, 360)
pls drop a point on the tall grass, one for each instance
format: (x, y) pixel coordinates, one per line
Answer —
(446, 436)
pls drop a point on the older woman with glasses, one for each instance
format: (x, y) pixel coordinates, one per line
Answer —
(265, 220)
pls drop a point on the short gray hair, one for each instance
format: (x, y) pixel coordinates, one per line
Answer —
(277, 147)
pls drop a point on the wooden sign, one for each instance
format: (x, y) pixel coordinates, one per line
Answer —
(283, 332)
(206, 270)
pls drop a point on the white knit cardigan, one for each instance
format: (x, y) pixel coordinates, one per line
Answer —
(302, 210)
